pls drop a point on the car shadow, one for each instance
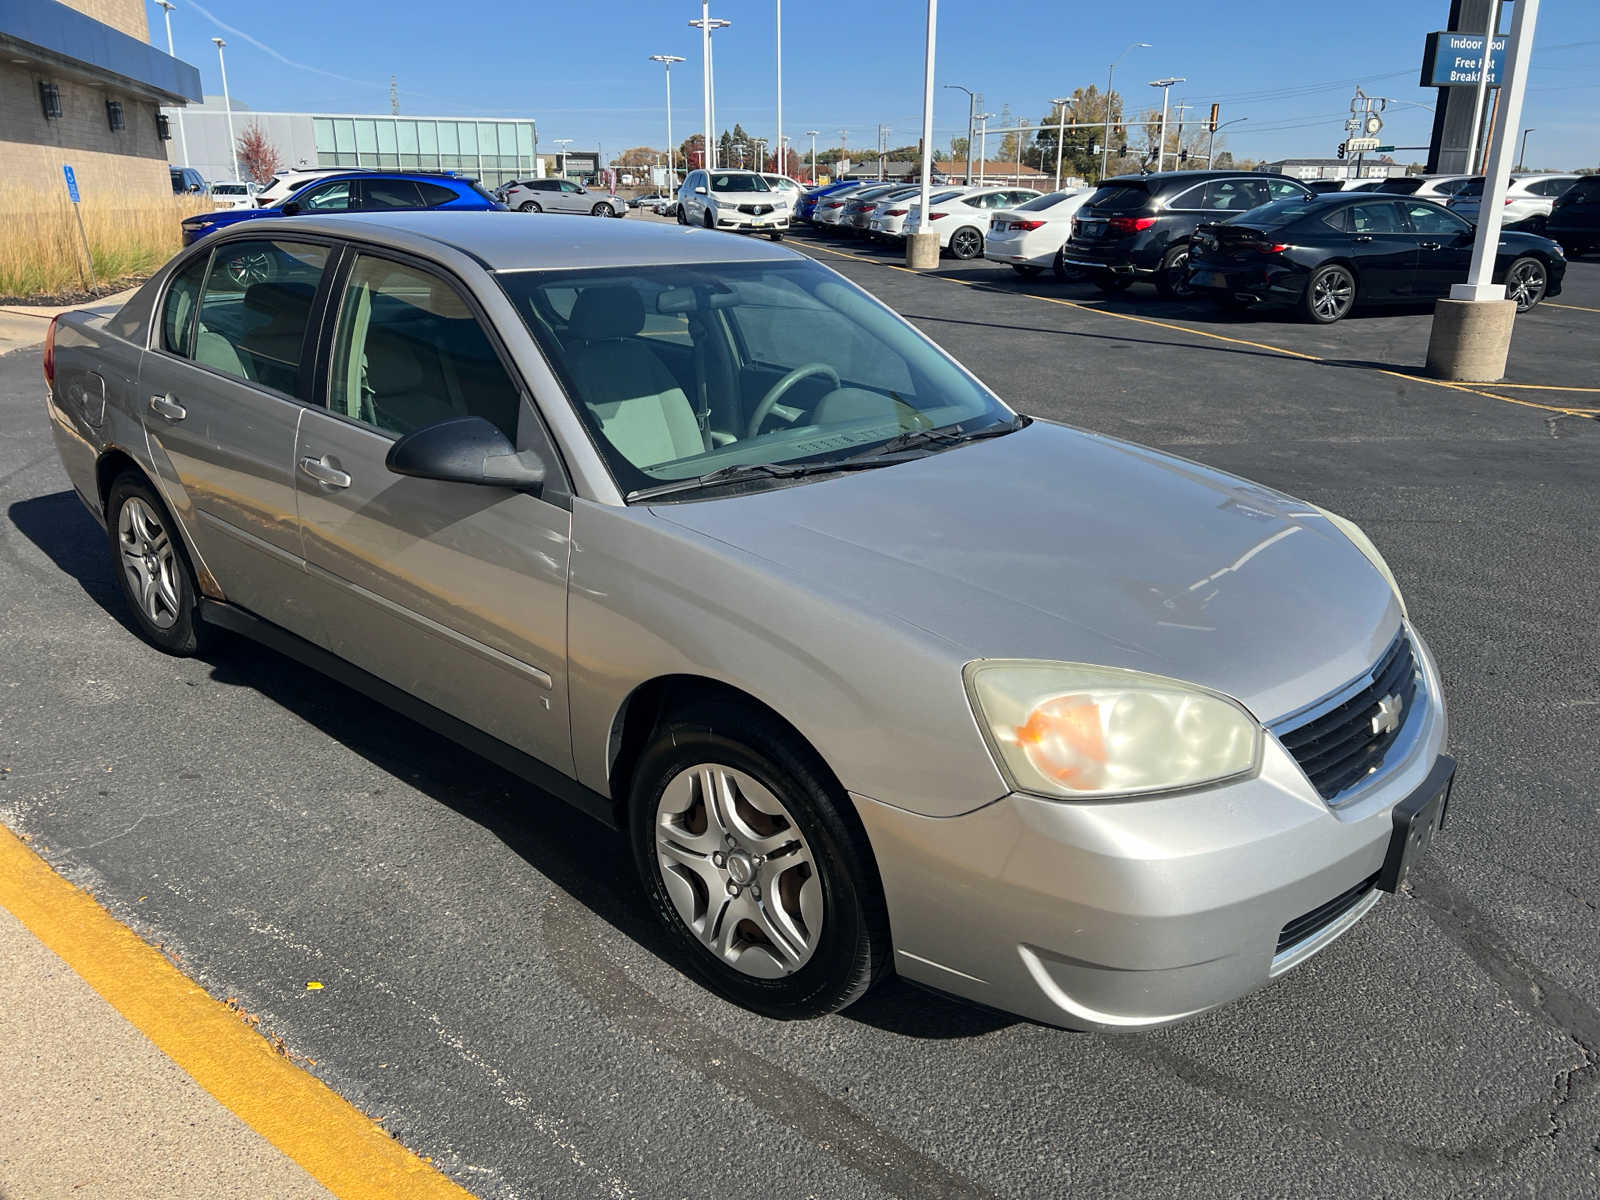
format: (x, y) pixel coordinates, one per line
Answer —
(591, 863)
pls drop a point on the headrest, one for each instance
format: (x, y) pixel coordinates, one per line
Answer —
(280, 299)
(606, 312)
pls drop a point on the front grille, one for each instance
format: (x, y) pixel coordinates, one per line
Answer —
(1344, 745)
(1319, 918)
(755, 210)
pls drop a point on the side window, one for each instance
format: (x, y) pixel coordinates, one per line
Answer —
(177, 314)
(568, 186)
(408, 353)
(330, 197)
(254, 310)
(1282, 189)
(1338, 219)
(390, 193)
(1194, 198)
(1235, 195)
(1375, 218)
(434, 194)
(1425, 218)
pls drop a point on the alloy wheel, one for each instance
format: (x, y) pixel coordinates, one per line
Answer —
(250, 267)
(738, 871)
(966, 243)
(1332, 294)
(1526, 283)
(150, 563)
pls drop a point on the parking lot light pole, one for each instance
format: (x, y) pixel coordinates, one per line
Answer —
(922, 247)
(1061, 132)
(778, 133)
(972, 116)
(667, 60)
(1211, 145)
(1105, 148)
(227, 104)
(812, 134)
(183, 141)
(563, 143)
(1471, 332)
(1166, 89)
(983, 147)
(1522, 156)
(708, 153)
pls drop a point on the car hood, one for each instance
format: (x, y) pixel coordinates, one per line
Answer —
(1053, 543)
(228, 216)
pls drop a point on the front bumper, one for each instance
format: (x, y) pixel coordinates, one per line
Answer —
(1126, 915)
(774, 222)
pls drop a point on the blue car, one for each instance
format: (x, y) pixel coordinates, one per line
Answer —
(359, 191)
(808, 202)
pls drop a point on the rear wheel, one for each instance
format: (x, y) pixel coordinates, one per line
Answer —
(966, 243)
(1112, 284)
(1026, 270)
(1526, 283)
(747, 856)
(152, 567)
(1330, 295)
(1172, 278)
(529, 206)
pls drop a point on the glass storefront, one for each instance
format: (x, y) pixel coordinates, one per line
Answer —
(494, 151)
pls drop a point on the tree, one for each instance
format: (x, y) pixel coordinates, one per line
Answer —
(640, 156)
(691, 152)
(958, 147)
(1007, 150)
(1085, 123)
(258, 157)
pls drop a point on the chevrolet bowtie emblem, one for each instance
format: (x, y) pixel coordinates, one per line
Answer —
(1387, 718)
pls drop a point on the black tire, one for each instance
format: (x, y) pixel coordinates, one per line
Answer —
(183, 636)
(777, 237)
(711, 222)
(1527, 281)
(529, 206)
(1329, 296)
(602, 210)
(1026, 270)
(966, 243)
(1172, 277)
(682, 217)
(853, 946)
(1061, 271)
(1112, 284)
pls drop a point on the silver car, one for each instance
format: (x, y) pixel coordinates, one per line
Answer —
(877, 675)
(561, 196)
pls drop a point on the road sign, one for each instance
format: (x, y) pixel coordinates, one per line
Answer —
(1456, 60)
(1361, 145)
(1384, 149)
(72, 182)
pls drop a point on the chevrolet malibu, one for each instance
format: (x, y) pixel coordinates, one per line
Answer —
(877, 675)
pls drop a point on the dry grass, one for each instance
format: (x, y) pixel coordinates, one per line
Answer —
(41, 252)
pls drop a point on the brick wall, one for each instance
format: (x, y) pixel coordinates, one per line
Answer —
(125, 16)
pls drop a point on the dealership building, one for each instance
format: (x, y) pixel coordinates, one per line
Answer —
(81, 86)
(492, 149)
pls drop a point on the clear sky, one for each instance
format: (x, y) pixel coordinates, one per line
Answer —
(581, 68)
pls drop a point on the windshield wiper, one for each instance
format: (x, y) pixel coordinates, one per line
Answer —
(950, 436)
(736, 471)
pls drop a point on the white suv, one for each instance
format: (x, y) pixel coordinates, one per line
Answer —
(1529, 200)
(734, 200)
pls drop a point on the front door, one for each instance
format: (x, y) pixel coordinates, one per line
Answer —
(453, 592)
(572, 198)
(221, 389)
(1384, 251)
(1444, 247)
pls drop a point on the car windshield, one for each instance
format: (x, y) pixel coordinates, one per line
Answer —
(738, 183)
(1048, 200)
(1279, 213)
(753, 370)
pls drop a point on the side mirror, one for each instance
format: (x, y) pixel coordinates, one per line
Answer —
(291, 208)
(699, 191)
(466, 450)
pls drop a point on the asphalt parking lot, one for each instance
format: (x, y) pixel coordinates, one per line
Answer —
(496, 995)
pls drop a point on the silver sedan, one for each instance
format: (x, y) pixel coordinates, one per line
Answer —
(878, 675)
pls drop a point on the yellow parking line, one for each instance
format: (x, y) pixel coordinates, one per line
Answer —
(1570, 307)
(343, 1149)
(1219, 337)
(1545, 387)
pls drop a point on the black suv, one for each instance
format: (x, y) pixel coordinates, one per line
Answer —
(1138, 226)
(1574, 220)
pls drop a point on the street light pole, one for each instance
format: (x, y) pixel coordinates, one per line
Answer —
(1105, 148)
(922, 247)
(227, 104)
(1166, 88)
(183, 141)
(1212, 144)
(563, 143)
(1061, 132)
(667, 60)
(972, 110)
(983, 147)
(708, 156)
(1522, 157)
(812, 134)
(778, 135)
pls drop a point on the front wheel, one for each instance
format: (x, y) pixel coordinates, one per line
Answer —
(1526, 283)
(711, 222)
(153, 568)
(683, 217)
(1330, 295)
(966, 243)
(1060, 269)
(777, 237)
(529, 206)
(602, 210)
(750, 859)
(1172, 278)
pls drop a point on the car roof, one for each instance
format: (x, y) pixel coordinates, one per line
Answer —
(508, 241)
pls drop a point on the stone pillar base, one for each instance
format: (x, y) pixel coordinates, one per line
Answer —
(922, 251)
(1470, 339)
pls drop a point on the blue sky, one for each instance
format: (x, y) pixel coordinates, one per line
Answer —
(582, 68)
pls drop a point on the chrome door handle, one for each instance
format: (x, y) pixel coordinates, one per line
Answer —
(166, 406)
(1364, 237)
(1428, 245)
(324, 472)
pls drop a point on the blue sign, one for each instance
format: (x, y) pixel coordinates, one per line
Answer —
(72, 183)
(1456, 60)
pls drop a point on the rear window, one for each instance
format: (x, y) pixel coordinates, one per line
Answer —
(1048, 200)
(1395, 187)
(1586, 189)
(1472, 187)
(1119, 197)
(1278, 214)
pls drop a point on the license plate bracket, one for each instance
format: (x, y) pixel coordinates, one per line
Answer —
(1417, 819)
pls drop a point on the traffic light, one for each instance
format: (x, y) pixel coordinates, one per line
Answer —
(1341, 149)
(1212, 125)
(1122, 150)
(1183, 156)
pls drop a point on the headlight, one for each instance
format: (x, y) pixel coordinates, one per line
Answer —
(1364, 544)
(1084, 732)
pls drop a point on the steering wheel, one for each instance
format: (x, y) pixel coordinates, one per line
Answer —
(777, 390)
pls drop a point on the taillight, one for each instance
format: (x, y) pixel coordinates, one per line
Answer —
(834, 204)
(1029, 225)
(50, 353)
(1264, 247)
(937, 216)
(868, 207)
(897, 212)
(1129, 224)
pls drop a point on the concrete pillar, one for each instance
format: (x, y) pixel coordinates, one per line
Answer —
(922, 251)
(1470, 339)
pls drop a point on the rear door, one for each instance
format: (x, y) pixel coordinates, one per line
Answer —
(453, 592)
(221, 390)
